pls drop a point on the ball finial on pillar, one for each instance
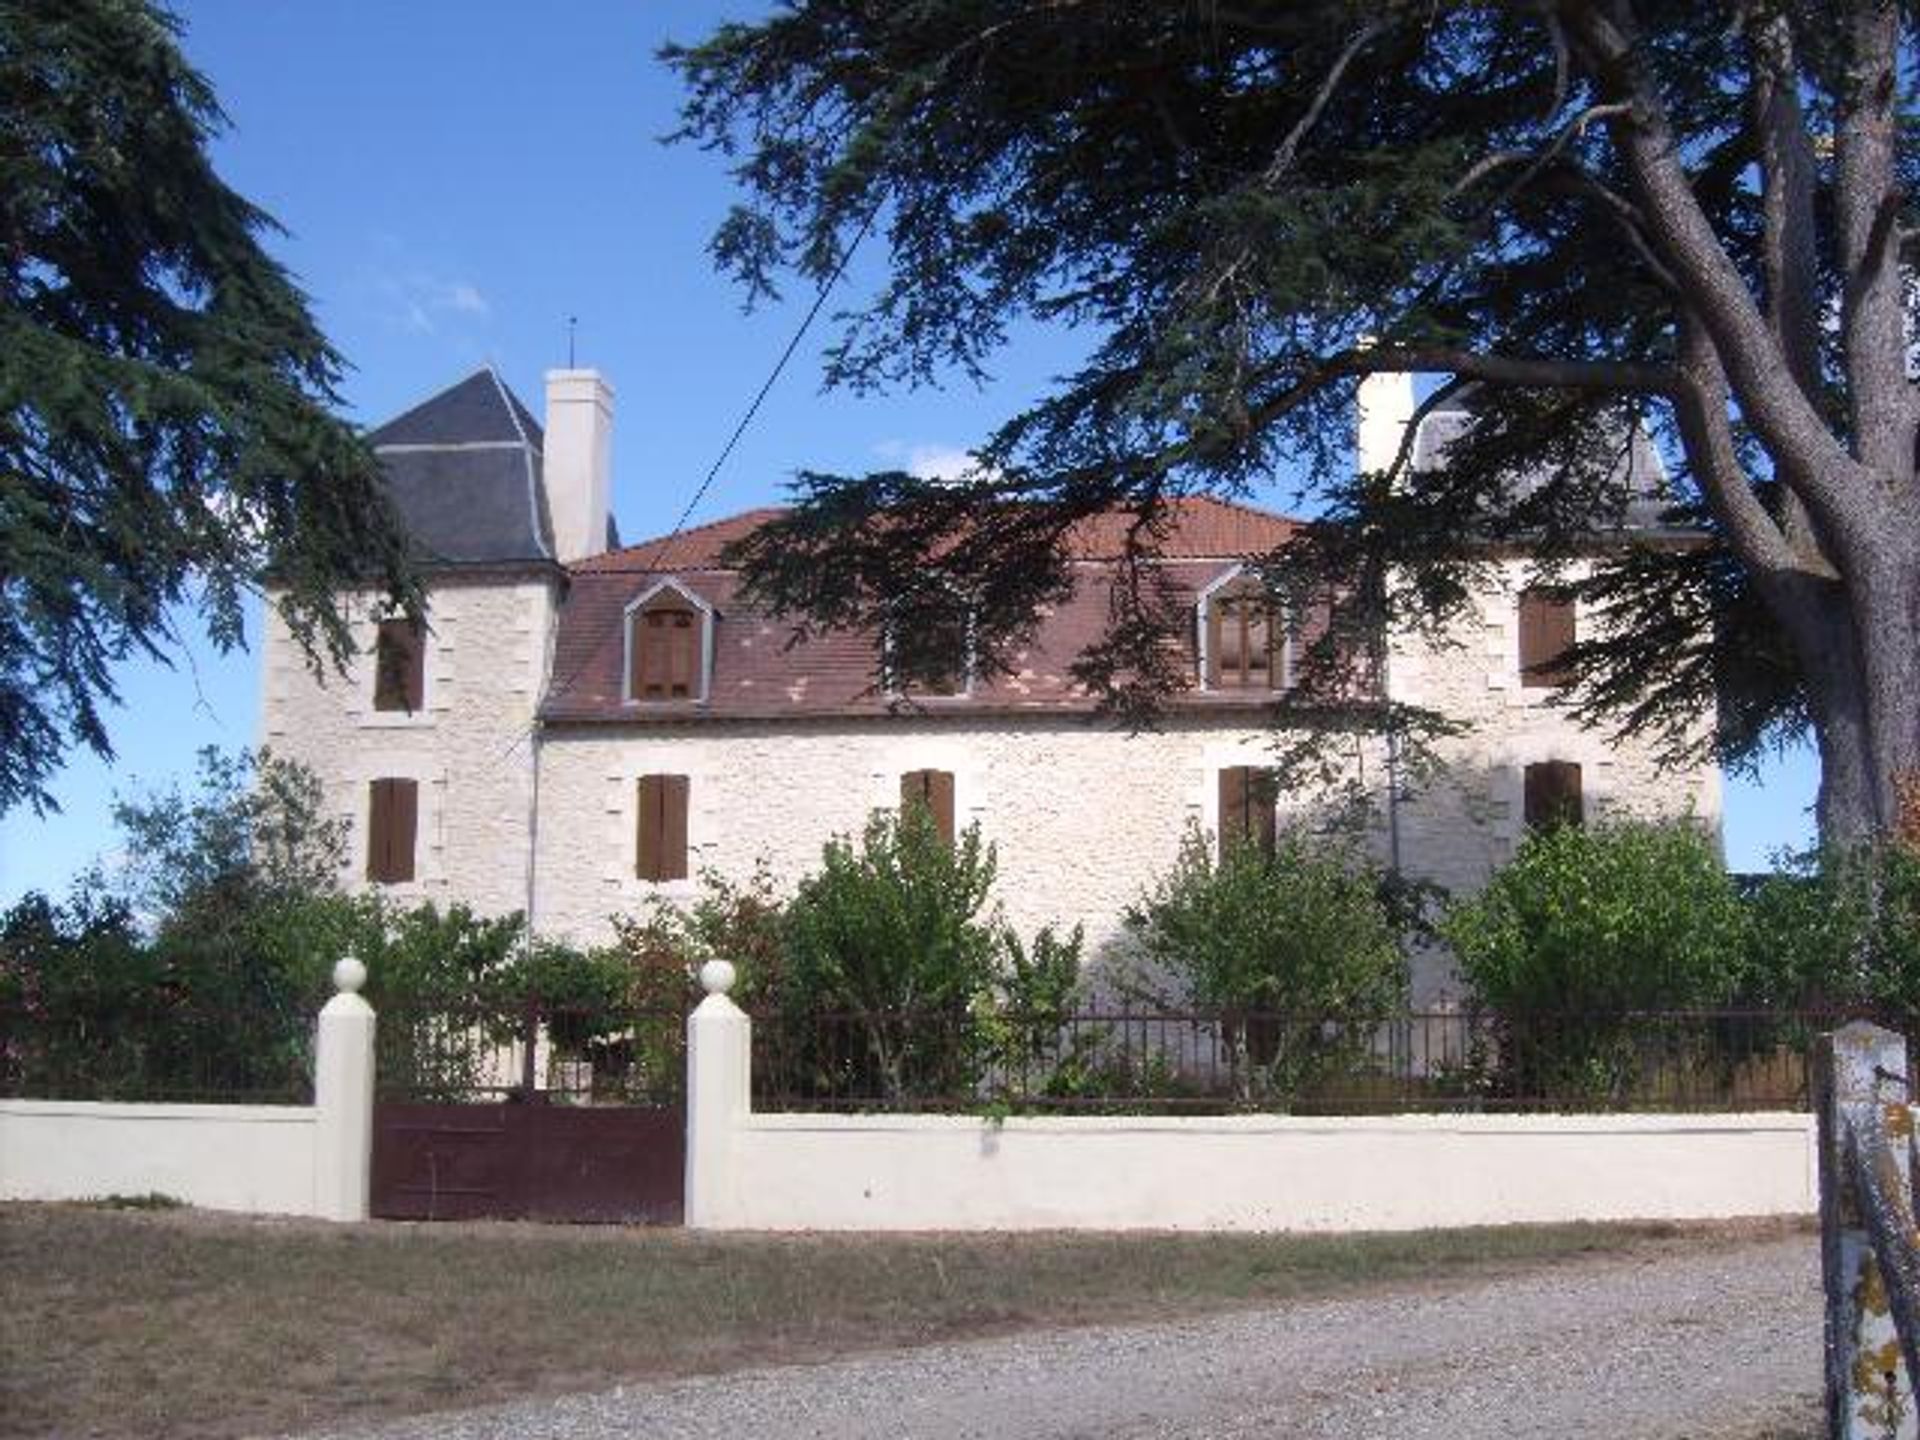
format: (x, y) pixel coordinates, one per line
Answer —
(349, 975)
(717, 976)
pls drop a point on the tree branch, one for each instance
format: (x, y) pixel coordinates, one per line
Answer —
(1866, 206)
(1808, 455)
(1700, 405)
(1290, 146)
(1790, 260)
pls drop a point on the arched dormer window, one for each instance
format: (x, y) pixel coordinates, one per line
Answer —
(1243, 644)
(669, 646)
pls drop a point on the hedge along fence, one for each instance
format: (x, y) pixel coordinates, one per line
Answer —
(994, 1061)
(312, 1159)
(847, 1153)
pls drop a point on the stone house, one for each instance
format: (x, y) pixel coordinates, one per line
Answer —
(583, 725)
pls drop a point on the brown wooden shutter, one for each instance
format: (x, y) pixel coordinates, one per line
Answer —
(1546, 634)
(393, 822)
(933, 789)
(400, 667)
(1247, 798)
(661, 843)
(1553, 795)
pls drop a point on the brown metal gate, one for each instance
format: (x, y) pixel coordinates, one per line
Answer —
(620, 1164)
(537, 1116)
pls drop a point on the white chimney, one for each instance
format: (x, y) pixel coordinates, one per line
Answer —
(1386, 409)
(578, 462)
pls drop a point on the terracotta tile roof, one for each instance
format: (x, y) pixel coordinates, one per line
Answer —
(1203, 527)
(758, 674)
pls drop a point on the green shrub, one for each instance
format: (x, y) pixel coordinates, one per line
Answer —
(1839, 930)
(1626, 915)
(665, 946)
(1585, 927)
(1294, 950)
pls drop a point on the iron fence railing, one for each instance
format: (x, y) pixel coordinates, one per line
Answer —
(1222, 1061)
(537, 1053)
(154, 1059)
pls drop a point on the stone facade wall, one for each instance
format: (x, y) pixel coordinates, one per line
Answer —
(469, 747)
(1084, 818)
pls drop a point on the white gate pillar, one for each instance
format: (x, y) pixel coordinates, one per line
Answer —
(343, 1099)
(719, 1097)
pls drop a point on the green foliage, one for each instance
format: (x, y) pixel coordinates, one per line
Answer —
(1840, 930)
(255, 828)
(1588, 928)
(742, 923)
(1294, 950)
(897, 924)
(1574, 210)
(1603, 919)
(167, 435)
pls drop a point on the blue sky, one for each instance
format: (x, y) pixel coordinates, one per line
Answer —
(456, 180)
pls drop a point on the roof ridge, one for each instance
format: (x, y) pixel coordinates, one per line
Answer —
(535, 482)
(691, 531)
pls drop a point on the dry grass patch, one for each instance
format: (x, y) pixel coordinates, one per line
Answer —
(122, 1323)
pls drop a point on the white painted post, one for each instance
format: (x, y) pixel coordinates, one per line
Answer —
(719, 1096)
(343, 1099)
(1861, 1075)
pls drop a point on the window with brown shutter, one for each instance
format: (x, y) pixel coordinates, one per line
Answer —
(1243, 639)
(1553, 795)
(666, 654)
(399, 667)
(1248, 795)
(393, 821)
(1546, 634)
(661, 844)
(933, 789)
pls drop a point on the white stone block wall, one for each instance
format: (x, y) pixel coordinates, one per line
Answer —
(1084, 817)
(469, 747)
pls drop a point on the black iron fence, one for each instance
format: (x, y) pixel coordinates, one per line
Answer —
(159, 1057)
(600, 1056)
(1232, 1061)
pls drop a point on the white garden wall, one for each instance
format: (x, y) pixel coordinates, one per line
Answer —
(262, 1159)
(255, 1158)
(1399, 1172)
(1403, 1172)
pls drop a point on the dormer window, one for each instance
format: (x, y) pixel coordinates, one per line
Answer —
(1243, 640)
(944, 662)
(669, 647)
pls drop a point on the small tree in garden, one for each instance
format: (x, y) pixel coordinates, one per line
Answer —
(894, 936)
(1294, 950)
(1586, 926)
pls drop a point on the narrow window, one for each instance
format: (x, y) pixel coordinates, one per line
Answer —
(934, 790)
(661, 846)
(399, 667)
(1243, 640)
(666, 653)
(393, 820)
(1553, 795)
(1546, 634)
(1248, 795)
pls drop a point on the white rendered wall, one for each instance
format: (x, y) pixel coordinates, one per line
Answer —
(254, 1158)
(811, 1172)
(469, 747)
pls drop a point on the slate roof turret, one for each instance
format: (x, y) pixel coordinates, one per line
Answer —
(463, 468)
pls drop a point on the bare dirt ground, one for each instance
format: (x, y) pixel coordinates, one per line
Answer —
(1719, 1342)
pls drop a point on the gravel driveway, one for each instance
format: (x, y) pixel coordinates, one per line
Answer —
(1725, 1342)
